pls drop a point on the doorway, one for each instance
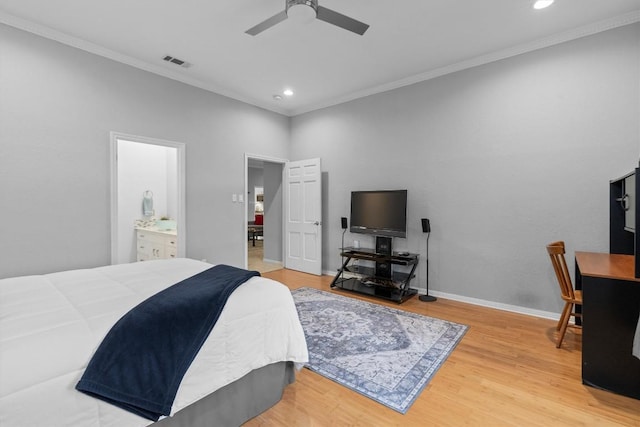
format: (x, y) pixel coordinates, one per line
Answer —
(147, 185)
(292, 203)
(264, 213)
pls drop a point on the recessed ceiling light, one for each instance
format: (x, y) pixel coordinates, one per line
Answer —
(288, 92)
(277, 97)
(541, 4)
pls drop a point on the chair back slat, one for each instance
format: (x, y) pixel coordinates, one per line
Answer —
(556, 252)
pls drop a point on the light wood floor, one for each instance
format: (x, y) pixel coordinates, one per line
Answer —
(255, 258)
(506, 371)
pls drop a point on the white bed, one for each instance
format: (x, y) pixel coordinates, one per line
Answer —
(50, 326)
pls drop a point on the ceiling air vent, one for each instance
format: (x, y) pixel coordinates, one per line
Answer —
(177, 61)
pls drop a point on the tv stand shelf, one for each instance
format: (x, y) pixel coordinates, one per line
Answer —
(393, 286)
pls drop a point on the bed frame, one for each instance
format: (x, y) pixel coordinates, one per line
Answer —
(238, 402)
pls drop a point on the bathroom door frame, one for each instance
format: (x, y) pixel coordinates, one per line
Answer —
(181, 187)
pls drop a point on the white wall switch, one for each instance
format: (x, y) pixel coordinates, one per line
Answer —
(234, 198)
(241, 198)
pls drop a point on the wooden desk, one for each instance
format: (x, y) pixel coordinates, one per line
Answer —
(610, 310)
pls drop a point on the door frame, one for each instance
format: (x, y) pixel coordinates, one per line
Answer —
(268, 159)
(181, 174)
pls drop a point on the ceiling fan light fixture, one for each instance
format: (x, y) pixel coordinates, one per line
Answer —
(302, 10)
(288, 92)
(541, 4)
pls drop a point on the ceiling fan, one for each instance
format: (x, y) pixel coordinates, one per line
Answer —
(322, 13)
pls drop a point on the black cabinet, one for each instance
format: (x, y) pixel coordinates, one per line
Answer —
(386, 276)
(611, 307)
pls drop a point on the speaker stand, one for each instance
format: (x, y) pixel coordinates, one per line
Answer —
(344, 230)
(427, 297)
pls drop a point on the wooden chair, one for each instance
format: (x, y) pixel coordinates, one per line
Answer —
(570, 296)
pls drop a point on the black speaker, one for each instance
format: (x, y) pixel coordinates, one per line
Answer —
(383, 269)
(426, 225)
(383, 245)
(344, 222)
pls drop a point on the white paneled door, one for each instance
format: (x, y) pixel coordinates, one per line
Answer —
(303, 216)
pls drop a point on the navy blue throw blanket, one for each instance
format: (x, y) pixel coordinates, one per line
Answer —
(140, 363)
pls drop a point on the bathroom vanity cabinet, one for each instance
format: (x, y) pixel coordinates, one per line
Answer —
(152, 243)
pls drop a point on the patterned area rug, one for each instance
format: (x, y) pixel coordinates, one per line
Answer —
(386, 354)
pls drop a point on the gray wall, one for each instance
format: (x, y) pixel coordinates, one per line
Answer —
(503, 158)
(57, 107)
(273, 222)
(254, 179)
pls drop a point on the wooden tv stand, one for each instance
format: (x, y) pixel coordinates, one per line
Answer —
(366, 280)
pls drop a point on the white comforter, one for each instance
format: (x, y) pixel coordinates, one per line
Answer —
(50, 326)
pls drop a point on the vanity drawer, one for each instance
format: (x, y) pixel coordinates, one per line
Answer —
(171, 252)
(150, 237)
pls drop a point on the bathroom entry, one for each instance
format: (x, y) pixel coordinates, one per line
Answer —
(147, 186)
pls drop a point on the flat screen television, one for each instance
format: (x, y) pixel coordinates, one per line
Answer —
(381, 213)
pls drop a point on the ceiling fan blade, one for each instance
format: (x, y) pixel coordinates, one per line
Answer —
(268, 23)
(342, 21)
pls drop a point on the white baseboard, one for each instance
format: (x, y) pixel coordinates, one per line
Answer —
(498, 305)
(271, 261)
(489, 304)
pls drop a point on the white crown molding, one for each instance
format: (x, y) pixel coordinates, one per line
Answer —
(555, 39)
(576, 33)
(95, 49)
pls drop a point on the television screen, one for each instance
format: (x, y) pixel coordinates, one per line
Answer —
(382, 213)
